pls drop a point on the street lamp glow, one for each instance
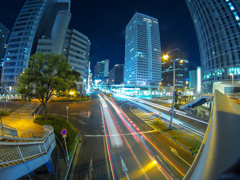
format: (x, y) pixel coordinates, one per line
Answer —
(72, 93)
(165, 57)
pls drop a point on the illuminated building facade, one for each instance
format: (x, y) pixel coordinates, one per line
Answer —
(101, 70)
(4, 32)
(29, 27)
(217, 25)
(3, 39)
(181, 69)
(195, 83)
(76, 50)
(116, 74)
(142, 51)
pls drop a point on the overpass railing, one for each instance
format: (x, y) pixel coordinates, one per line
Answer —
(218, 156)
(6, 130)
(14, 150)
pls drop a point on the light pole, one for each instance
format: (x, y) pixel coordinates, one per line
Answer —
(232, 81)
(165, 57)
(67, 107)
(159, 89)
(172, 111)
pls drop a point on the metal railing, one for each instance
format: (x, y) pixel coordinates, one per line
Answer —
(207, 96)
(6, 130)
(219, 153)
(18, 150)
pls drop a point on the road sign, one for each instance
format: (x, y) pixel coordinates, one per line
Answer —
(64, 136)
(64, 132)
(67, 107)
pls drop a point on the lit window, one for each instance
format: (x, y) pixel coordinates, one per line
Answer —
(231, 6)
(236, 16)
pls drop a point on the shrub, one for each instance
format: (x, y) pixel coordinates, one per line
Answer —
(3, 113)
(176, 137)
(59, 124)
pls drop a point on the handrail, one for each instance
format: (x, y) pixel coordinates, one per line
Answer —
(8, 130)
(218, 151)
(12, 152)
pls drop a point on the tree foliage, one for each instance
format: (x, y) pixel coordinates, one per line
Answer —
(46, 73)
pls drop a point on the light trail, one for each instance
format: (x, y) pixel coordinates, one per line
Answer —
(167, 117)
(115, 135)
(184, 114)
(108, 150)
(129, 124)
(129, 147)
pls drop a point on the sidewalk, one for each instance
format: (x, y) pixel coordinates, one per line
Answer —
(22, 120)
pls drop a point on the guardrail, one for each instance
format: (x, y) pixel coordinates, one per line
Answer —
(218, 156)
(6, 130)
(14, 150)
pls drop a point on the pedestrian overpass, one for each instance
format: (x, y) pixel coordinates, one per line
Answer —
(21, 156)
(199, 101)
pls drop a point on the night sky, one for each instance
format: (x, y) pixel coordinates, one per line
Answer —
(104, 22)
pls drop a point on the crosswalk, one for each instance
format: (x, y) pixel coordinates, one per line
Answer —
(143, 115)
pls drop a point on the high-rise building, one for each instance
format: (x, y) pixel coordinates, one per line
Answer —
(54, 43)
(181, 69)
(116, 74)
(35, 19)
(76, 50)
(142, 51)
(3, 39)
(101, 70)
(217, 25)
(195, 82)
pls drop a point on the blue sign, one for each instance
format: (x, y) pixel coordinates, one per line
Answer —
(64, 132)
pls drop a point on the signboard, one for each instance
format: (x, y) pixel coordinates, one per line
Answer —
(64, 132)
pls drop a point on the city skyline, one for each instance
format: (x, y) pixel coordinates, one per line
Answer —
(176, 27)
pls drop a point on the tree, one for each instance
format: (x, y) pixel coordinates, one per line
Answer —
(73, 77)
(46, 73)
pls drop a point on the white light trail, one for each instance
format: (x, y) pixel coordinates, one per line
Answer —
(114, 135)
(165, 116)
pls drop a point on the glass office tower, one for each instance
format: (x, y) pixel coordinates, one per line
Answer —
(35, 19)
(217, 25)
(142, 51)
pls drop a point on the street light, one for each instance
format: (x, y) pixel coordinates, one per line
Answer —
(72, 93)
(232, 81)
(165, 57)
(159, 89)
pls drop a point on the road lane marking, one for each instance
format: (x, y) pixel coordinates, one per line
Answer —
(107, 164)
(176, 153)
(127, 134)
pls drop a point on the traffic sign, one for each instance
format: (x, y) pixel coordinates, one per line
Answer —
(64, 136)
(64, 132)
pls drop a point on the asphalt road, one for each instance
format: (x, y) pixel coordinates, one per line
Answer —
(175, 159)
(92, 133)
(115, 147)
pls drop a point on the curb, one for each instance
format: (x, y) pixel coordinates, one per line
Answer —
(74, 157)
(174, 140)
